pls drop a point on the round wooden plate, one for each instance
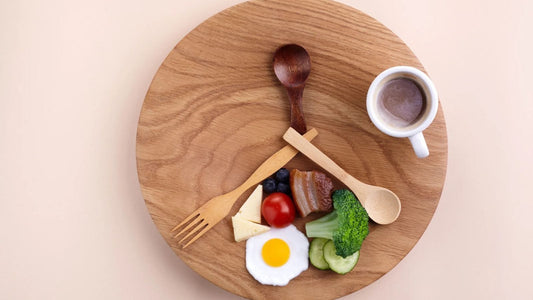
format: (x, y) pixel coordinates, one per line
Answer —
(215, 111)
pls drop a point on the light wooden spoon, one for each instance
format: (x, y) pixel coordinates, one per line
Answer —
(382, 205)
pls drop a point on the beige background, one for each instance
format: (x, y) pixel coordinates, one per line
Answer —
(73, 75)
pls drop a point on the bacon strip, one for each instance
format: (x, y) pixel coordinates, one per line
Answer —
(311, 191)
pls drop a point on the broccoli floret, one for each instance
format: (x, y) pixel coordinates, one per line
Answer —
(347, 225)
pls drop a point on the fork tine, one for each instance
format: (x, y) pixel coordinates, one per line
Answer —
(198, 226)
(194, 223)
(206, 228)
(192, 216)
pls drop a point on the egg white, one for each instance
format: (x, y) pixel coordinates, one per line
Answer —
(278, 276)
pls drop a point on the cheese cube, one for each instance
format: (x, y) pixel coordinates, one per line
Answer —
(251, 209)
(244, 229)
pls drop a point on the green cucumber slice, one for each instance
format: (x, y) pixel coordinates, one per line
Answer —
(338, 263)
(316, 253)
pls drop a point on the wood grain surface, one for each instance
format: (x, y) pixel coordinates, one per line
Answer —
(215, 111)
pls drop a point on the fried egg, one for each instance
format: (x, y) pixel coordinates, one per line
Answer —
(277, 256)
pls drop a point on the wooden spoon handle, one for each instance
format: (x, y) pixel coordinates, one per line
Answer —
(297, 113)
(274, 163)
(301, 144)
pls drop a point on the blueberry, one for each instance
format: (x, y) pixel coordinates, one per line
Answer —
(284, 188)
(269, 185)
(282, 175)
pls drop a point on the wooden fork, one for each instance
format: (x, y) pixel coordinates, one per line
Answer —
(214, 210)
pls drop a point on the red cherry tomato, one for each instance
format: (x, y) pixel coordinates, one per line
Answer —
(278, 210)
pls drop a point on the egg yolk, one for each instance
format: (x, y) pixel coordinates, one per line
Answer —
(275, 252)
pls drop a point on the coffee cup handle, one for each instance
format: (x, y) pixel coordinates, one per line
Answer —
(419, 145)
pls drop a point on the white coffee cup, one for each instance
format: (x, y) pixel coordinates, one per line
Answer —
(402, 101)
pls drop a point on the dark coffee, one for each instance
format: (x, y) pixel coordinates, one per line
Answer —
(401, 102)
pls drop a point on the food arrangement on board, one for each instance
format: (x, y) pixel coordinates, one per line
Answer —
(276, 251)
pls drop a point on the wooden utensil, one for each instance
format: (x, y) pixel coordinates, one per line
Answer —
(209, 214)
(292, 66)
(382, 205)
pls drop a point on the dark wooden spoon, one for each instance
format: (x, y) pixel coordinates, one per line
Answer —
(292, 66)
